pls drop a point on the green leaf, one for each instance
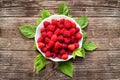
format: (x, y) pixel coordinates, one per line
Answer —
(39, 62)
(78, 52)
(66, 68)
(82, 21)
(45, 14)
(84, 36)
(90, 46)
(39, 20)
(28, 31)
(63, 9)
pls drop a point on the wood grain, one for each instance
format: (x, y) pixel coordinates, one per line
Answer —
(98, 64)
(17, 54)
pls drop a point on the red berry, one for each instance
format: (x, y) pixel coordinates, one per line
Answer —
(64, 45)
(40, 39)
(78, 36)
(51, 27)
(48, 54)
(41, 45)
(43, 29)
(57, 31)
(72, 39)
(49, 34)
(50, 44)
(73, 25)
(62, 21)
(59, 56)
(72, 30)
(60, 38)
(71, 47)
(66, 33)
(62, 51)
(77, 30)
(61, 26)
(65, 56)
(54, 38)
(44, 49)
(47, 40)
(66, 40)
(43, 34)
(46, 23)
(58, 45)
(54, 55)
(67, 25)
(62, 30)
(76, 45)
(54, 22)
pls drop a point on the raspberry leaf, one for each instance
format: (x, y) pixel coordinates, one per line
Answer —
(39, 62)
(82, 21)
(34, 46)
(63, 9)
(66, 68)
(39, 20)
(80, 52)
(45, 14)
(84, 35)
(28, 31)
(90, 46)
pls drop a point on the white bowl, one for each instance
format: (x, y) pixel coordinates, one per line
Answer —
(58, 17)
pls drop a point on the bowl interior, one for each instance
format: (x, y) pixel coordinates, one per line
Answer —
(58, 17)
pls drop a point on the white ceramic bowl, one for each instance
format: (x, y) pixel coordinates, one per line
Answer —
(58, 17)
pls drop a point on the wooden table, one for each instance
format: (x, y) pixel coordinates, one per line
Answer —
(17, 54)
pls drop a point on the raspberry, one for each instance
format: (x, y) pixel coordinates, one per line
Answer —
(54, 22)
(66, 33)
(67, 25)
(62, 21)
(51, 27)
(60, 38)
(77, 30)
(62, 30)
(64, 45)
(78, 36)
(43, 29)
(72, 30)
(43, 34)
(54, 55)
(66, 40)
(73, 25)
(54, 38)
(72, 39)
(61, 26)
(46, 23)
(71, 47)
(40, 39)
(59, 56)
(48, 54)
(57, 32)
(55, 50)
(65, 56)
(49, 34)
(50, 44)
(41, 45)
(62, 51)
(58, 45)
(47, 40)
(76, 45)
(44, 49)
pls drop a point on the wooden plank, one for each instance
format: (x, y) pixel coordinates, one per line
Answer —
(97, 3)
(99, 30)
(97, 65)
(77, 8)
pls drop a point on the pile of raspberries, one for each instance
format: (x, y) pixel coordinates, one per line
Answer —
(59, 38)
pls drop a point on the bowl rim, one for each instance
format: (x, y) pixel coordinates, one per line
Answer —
(58, 18)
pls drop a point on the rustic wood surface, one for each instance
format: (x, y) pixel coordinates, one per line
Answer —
(17, 54)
